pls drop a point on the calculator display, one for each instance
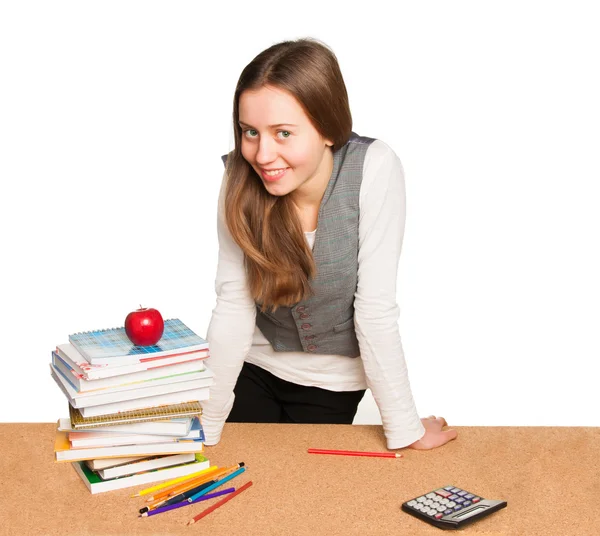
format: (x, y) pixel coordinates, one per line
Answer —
(470, 512)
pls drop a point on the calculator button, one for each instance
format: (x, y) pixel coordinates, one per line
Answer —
(457, 507)
(475, 500)
(439, 516)
(460, 500)
(444, 501)
(455, 490)
(428, 502)
(451, 504)
(469, 496)
(430, 495)
(443, 493)
(418, 507)
(452, 497)
(412, 503)
(449, 511)
(421, 499)
(432, 512)
(440, 508)
(467, 503)
(462, 493)
(449, 488)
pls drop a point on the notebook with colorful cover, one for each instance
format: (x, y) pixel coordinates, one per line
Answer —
(95, 484)
(103, 346)
(139, 391)
(123, 382)
(85, 370)
(189, 409)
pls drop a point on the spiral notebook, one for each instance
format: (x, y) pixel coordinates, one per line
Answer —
(109, 345)
(187, 409)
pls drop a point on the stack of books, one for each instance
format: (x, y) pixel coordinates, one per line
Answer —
(134, 411)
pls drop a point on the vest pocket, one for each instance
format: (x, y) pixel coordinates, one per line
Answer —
(348, 324)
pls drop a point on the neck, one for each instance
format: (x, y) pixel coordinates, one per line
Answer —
(309, 195)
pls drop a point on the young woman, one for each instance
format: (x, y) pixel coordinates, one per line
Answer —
(311, 221)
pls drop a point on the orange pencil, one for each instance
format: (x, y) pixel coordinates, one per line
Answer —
(188, 484)
(160, 500)
(220, 503)
(174, 481)
(166, 491)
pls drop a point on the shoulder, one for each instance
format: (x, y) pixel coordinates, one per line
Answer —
(380, 155)
(382, 170)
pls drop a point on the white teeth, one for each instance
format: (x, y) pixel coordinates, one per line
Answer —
(274, 172)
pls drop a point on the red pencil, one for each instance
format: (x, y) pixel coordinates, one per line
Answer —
(356, 453)
(221, 502)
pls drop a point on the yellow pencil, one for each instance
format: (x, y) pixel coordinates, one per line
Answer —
(167, 493)
(190, 482)
(175, 481)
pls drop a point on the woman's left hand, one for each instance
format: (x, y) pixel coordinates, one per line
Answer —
(434, 435)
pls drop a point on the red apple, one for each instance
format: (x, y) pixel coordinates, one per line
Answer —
(144, 327)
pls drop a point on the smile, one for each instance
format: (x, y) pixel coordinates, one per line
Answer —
(273, 174)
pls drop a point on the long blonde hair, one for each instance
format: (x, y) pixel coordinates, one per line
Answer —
(279, 264)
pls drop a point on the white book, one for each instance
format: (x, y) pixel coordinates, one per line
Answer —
(65, 453)
(178, 397)
(155, 376)
(95, 484)
(93, 372)
(171, 427)
(89, 439)
(146, 464)
(104, 463)
(83, 400)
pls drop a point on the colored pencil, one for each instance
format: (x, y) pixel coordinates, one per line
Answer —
(356, 453)
(185, 503)
(183, 486)
(217, 484)
(220, 503)
(175, 481)
(176, 498)
(176, 489)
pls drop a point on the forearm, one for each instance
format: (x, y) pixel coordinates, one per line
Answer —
(229, 336)
(387, 377)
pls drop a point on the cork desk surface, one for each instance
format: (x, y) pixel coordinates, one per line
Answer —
(550, 478)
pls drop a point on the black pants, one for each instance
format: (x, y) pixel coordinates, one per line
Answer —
(262, 397)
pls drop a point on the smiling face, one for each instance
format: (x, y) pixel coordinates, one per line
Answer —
(281, 144)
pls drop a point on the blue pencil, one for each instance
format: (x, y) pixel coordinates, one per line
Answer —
(178, 498)
(217, 484)
(186, 503)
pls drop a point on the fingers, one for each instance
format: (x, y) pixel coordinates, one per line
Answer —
(439, 419)
(449, 435)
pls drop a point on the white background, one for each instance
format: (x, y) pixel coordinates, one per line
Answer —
(113, 118)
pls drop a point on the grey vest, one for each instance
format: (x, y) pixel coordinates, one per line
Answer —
(324, 323)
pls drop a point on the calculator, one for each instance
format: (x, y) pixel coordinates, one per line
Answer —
(451, 507)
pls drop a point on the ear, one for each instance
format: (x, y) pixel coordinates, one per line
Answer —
(329, 143)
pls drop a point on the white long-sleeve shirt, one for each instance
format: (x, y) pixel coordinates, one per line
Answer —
(234, 337)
